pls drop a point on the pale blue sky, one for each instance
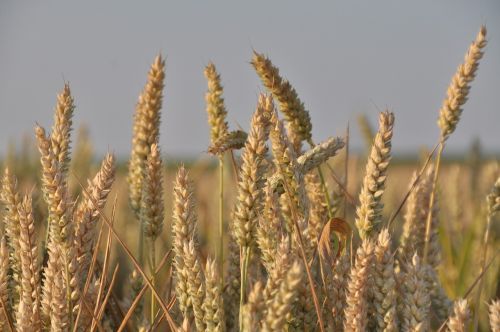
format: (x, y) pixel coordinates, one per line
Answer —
(343, 57)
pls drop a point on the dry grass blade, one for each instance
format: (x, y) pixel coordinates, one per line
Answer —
(136, 264)
(135, 302)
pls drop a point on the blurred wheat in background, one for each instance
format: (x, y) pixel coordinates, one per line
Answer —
(272, 231)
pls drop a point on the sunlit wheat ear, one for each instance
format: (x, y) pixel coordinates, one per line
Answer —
(281, 303)
(184, 219)
(415, 299)
(250, 197)
(369, 212)
(320, 153)
(254, 309)
(61, 130)
(146, 129)
(461, 314)
(282, 262)
(4, 279)
(417, 207)
(297, 117)
(459, 88)
(152, 195)
(286, 164)
(196, 286)
(337, 290)
(232, 140)
(357, 290)
(59, 311)
(311, 159)
(11, 202)
(384, 290)
(212, 305)
(270, 227)
(215, 104)
(61, 225)
(88, 212)
(28, 315)
(494, 315)
(318, 210)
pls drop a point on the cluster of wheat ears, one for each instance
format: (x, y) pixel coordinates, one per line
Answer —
(287, 259)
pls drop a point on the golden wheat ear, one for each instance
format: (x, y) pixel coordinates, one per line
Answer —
(459, 88)
(146, 130)
(369, 212)
(215, 104)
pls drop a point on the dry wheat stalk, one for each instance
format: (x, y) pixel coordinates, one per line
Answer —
(152, 195)
(215, 104)
(250, 197)
(297, 117)
(146, 130)
(281, 303)
(357, 289)
(28, 314)
(494, 314)
(369, 212)
(212, 305)
(384, 290)
(459, 88)
(458, 321)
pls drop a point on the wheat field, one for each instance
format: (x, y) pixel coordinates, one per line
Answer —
(269, 230)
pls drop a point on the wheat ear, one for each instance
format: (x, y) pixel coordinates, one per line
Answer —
(369, 212)
(458, 321)
(297, 117)
(28, 315)
(4, 281)
(494, 315)
(184, 219)
(357, 290)
(61, 130)
(384, 290)
(88, 213)
(212, 305)
(281, 303)
(459, 88)
(11, 201)
(146, 129)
